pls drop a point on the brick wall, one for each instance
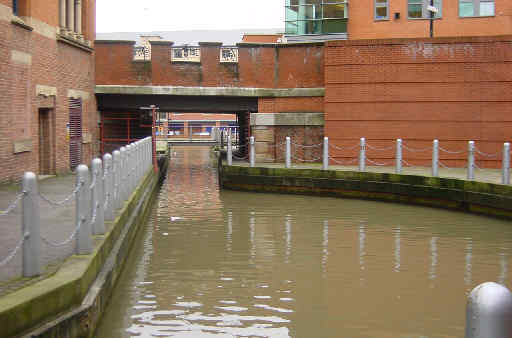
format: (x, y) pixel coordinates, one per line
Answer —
(453, 90)
(31, 58)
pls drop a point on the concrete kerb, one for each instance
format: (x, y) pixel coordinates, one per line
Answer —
(472, 196)
(43, 301)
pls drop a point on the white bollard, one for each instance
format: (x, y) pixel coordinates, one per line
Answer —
(362, 154)
(123, 177)
(31, 226)
(488, 312)
(398, 165)
(83, 212)
(435, 158)
(97, 198)
(325, 157)
(288, 154)
(505, 176)
(108, 184)
(252, 155)
(116, 179)
(230, 151)
(471, 160)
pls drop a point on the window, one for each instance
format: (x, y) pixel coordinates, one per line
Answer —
(15, 7)
(316, 16)
(469, 8)
(418, 9)
(381, 10)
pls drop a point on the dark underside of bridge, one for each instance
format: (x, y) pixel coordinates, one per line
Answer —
(123, 121)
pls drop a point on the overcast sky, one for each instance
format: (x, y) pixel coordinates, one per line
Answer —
(172, 15)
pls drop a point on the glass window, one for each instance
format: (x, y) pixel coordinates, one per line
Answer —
(313, 16)
(418, 9)
(334, 11)
(469, 8)
(381, 10)
(15, 7)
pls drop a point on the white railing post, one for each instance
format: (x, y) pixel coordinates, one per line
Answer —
(362, 154)
(398, 165)
(252, 155)
(97, 198)
(288, 155)
(109, 186)
(123, 182)
(129, 173)
(488, 312)
(31, 226)
(505, 176)
(435, 158)
(117, 179)
(83, 211)
(471, 160)
(230, 151)
(325, 157)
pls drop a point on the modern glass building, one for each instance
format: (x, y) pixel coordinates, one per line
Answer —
(316, 19)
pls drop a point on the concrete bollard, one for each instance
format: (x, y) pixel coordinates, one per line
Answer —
(398, 163)
(325, 157)
(435, 158)
(230, 151)
(108, 185)
(123, 177)
(288, 154)
(31, 226)
(505, 175)
(83, 212)
(252, 155)
(97, 197)
(489, 312)
(116, 179)
(471, 160)
(362, 154)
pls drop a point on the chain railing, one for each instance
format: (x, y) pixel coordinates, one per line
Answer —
(362, 160)
(97, 194)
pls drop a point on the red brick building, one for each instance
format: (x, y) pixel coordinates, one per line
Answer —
(48, 113)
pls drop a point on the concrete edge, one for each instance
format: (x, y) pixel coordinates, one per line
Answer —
(288, 119)
(209, 91)
(449, 193)
(41, 302)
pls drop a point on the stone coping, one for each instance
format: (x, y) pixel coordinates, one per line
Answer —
(30, 307)
(451, 193)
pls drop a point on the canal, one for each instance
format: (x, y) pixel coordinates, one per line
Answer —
(212, 263)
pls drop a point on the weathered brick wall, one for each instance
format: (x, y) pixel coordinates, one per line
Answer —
(450, 89)
(31, 58)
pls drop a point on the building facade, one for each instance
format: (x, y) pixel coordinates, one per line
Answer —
(309, 20)
(48, 112)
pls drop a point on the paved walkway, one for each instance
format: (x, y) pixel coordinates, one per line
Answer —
(57, 224)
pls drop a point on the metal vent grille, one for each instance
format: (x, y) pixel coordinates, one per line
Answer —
(75, 132)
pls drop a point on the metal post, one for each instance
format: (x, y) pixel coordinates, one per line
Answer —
(123, 177)
(83, 211)
(488, 312)
(98, 198)
(362, 154)
(116, 180)
(435, 158)
(230, 151)
(288, 162)
(398, 165)
(505, 177)
(252, 155)
(471, 160)
(325, 162)
(108, 183)
(31, 226)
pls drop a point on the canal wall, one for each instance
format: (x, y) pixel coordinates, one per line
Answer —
(456, 194)
(70, 302)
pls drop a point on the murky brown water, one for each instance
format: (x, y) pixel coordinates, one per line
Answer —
(232, 264)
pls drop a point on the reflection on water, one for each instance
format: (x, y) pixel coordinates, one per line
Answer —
(234, 264)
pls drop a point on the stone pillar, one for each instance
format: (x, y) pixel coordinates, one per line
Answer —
(78, 18)
(62, 16)
(70, 22)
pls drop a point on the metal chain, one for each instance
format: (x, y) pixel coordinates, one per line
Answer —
(13, 205)
(65, 242)
(304, 160)
(341, 163)
(15, 251)
(59, 203)
(276, 145)
(377, 164)
(444, 166)
(240, 158)
(486, 154)
(415, 150)
(93, 183)
(379, 149)
(307, 146)
(451, 152)
(94, 213)
(343, 148)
